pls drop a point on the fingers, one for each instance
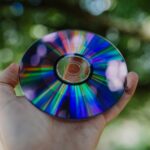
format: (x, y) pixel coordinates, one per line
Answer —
(8, 80)
(132, 81)
(9, 76)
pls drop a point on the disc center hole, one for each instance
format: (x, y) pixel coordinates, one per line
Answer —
(73, 68)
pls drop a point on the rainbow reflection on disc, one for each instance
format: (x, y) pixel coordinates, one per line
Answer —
(73, 74)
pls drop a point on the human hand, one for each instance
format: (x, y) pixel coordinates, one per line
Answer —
(23, 127)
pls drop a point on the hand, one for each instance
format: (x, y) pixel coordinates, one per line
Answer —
(23, 127)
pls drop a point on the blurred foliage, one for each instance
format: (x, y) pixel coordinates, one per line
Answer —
(124, 22)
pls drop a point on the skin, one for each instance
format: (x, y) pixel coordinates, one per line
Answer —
(23, 127)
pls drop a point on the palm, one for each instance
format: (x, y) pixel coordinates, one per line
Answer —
(25, 127)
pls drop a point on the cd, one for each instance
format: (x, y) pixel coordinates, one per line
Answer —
(73, 74)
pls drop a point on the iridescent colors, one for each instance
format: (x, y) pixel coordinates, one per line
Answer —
(73, 74)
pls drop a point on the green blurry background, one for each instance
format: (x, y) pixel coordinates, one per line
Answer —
(124, 22)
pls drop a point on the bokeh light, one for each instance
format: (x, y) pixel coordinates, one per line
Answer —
(113, 35)
(6, 55)
(38, 31)
(96, 7)
(17, 9)
(146, 28)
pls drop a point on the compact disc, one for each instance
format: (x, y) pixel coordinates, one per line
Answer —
(73, 74)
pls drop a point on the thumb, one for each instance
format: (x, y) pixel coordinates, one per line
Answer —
(9, 76)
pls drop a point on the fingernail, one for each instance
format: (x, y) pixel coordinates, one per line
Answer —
(128, 84)
(131, 82)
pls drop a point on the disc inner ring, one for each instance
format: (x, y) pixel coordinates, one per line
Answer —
(73, 69)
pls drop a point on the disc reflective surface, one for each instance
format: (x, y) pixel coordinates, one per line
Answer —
(73, 74)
